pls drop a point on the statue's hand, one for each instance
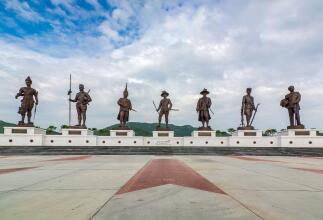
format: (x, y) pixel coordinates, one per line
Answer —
(16, 96)
(36, 103)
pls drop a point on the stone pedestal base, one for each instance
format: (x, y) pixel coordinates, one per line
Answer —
(299, 132)
(246, 128)
(76, 132)
(23, 136)
(204, 133)
(122, 133)
(23, 131)
(248, 133)
(296, 127)
(300, 138)
(163, 134)
(72, 137)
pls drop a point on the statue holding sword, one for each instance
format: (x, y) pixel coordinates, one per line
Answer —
(164, 107)
(125, 107)
(248, 110)
(30, 98)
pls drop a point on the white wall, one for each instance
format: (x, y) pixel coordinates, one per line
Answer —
(38, 138)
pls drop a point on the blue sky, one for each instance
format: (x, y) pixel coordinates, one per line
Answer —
(176, 45)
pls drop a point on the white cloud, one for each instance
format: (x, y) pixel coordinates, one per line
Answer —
(224, 46)
(23, 10)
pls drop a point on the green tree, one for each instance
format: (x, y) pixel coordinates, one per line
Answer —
(270, 132)
(51, 129)
(64, 126)
(231, 131)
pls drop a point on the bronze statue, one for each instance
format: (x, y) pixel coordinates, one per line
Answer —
(164, 107)
(125, 107)
(203, 108)
(248, 110)
(291, 102)
(27, 103)
(82, 99)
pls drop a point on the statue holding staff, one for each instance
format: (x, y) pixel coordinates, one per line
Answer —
(30, 97)
(248, 110)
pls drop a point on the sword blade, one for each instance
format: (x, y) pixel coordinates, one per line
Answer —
(69, 103)
(155, 106)
(253, 117)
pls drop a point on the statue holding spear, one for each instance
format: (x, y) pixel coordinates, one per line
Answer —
(82, 99)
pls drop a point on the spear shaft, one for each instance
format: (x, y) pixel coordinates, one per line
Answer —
(69, 102)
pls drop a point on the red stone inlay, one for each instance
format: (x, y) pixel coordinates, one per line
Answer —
(310, 170)
(319, 158)
(10, 170)
(71, 158)
(253, 159)
(168, 171)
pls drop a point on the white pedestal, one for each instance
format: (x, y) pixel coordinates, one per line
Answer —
(76, 132)
(206, 141)
(251, 138)
(22, 136)
(23, 131)
(248, 133)
(163, 134)
(122, 133)
(72, 137)
(300, 138)
(120, 141)
(299, 132)
(204, 134)
(164, 141)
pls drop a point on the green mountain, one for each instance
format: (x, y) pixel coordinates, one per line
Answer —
(141, 129)
(5, 124)
(146, 129)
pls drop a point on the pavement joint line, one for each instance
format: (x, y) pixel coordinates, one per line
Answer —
(109, 199)
(275, 177)
(101, 207)
(245, 206)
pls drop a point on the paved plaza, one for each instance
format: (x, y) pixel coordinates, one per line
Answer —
(165, 188)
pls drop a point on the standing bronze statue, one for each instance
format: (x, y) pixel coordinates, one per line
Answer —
(82, 99)
(125, 107)
(164, 107)
(291, 102)
(27, 102)
(248, 110)
(203, 108)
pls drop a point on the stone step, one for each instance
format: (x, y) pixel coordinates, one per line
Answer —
(105, 150)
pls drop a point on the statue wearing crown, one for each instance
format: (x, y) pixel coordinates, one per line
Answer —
(125, 106)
